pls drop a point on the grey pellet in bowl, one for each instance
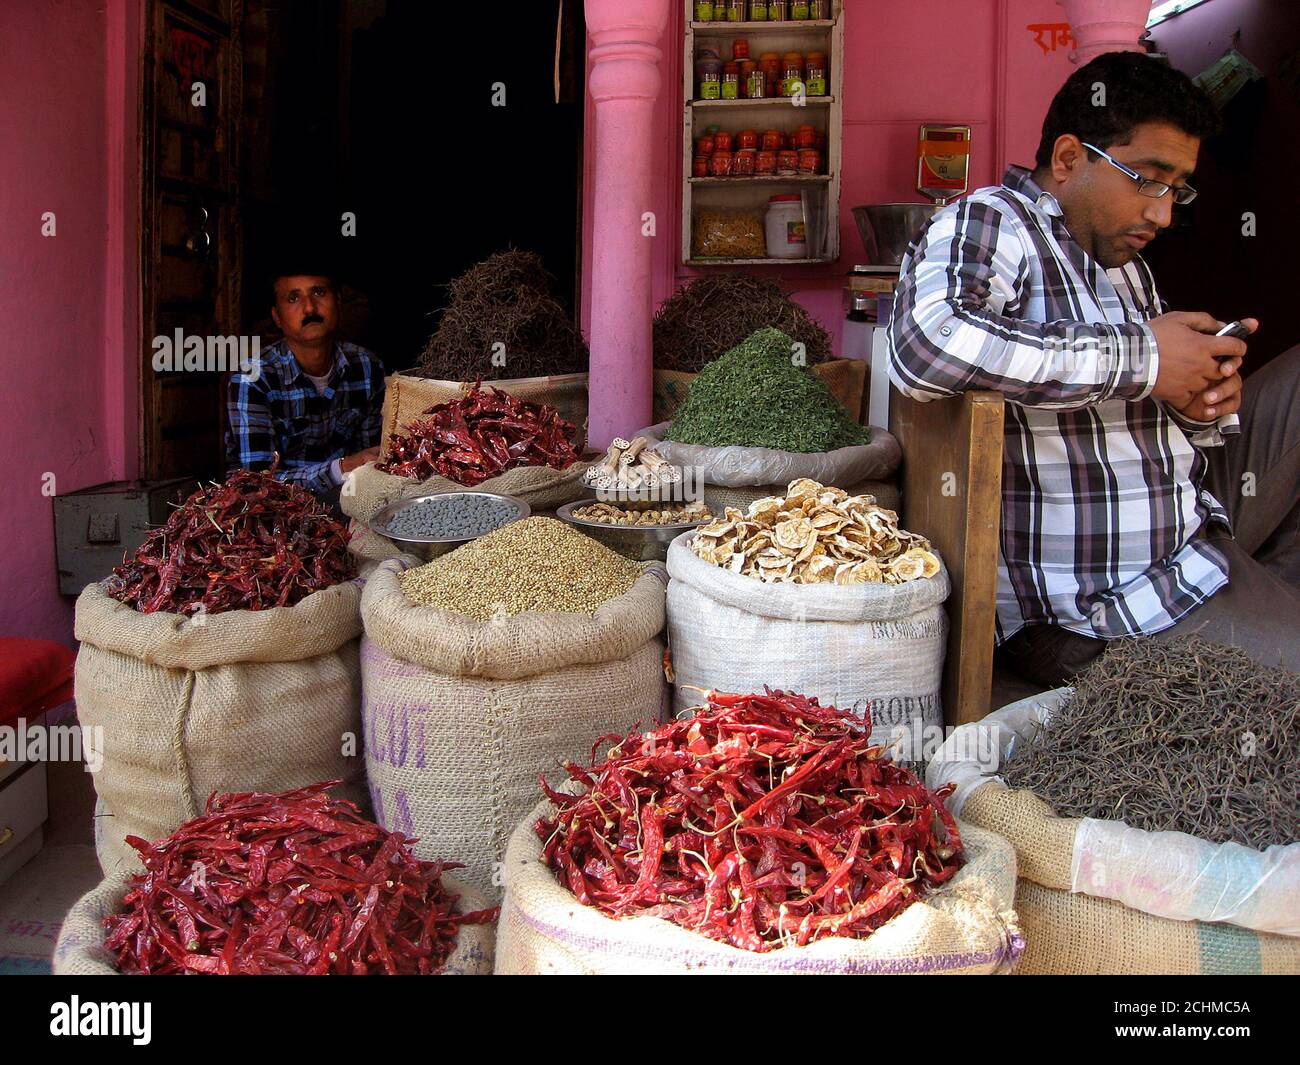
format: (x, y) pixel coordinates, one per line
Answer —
(432, 525)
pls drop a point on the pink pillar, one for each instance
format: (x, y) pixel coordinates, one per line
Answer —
(624, 80)
(1100, 26)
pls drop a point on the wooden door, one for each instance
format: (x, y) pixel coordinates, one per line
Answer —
(190, 249)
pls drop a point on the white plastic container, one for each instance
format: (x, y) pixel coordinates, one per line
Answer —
(787, 229)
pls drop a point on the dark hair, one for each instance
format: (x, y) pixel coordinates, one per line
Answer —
(1138, 89)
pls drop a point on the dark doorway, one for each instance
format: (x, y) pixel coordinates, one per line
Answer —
(385, 109)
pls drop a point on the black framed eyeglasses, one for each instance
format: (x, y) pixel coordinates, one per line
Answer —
(1147, 186)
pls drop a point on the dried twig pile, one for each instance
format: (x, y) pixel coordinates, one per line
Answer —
(509, 299)
(713, 314)
(1186, 736)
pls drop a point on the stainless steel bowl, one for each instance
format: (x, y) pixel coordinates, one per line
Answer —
(888, 228)
(429, 549)
(641, 543)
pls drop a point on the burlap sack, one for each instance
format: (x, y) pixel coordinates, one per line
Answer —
(870, 648)
(80, 951)
(368, 490)
(1069, 932)
(846, 378)
(886, 492)
(968, 926)
(748, 467)
(250, 700)
(462, 716)
(407, 397)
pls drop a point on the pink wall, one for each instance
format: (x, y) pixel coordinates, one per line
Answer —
(67, 101)
(968, 61)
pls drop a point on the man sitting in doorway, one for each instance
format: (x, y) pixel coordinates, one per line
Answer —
(1132, 453)
(317, 401)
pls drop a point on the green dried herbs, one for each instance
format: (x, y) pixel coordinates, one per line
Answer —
(1185, 736)
(756, 395)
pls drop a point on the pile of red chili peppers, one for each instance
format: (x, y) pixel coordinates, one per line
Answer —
(481, 435)
(763, 821)
(251, 543)
(295, 884)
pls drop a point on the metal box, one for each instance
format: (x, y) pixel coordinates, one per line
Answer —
(94, 527)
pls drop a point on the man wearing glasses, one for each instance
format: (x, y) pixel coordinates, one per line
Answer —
(1144, 490)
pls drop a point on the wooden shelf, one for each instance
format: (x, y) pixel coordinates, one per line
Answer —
(766, 101)
(756, 262)
(762, 179)
(821, 192)
(705, 29)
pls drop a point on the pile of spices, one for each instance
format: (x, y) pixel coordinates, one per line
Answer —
(649, 514)
(252, 543)
(710, 315)
(756, 395)
(1185, 736)
(507, 303)
(538, 564)
(455, 516)
(631, 466)
(295, 884)
(481, 435)
(762, 821)
(816, 535)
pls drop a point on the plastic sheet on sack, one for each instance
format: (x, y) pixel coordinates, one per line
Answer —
(1166, 874)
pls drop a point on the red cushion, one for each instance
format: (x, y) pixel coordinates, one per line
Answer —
(35, 676)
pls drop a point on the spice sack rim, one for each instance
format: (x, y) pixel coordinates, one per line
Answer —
(319, 623)
(75, 953)
(737, 466)
(1201, 881)
(786, 601)
(512, 647)
(887, 950)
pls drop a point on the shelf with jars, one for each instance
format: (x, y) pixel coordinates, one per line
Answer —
(762, 118)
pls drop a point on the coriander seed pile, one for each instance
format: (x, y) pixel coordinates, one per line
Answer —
(539, 564)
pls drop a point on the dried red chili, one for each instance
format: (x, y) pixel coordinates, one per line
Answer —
(481, 435)
(762, 821)
(295, 883)
(251, 543)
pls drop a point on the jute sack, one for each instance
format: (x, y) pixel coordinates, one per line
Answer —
(461, 716)
(874, 648)
(250, 700)
(406, 397)
(967, 926)
(1069, 932)
(368, 490)
(746, 467)
(79, 950)
(1084, 881)
(886, 493)
(846, 378)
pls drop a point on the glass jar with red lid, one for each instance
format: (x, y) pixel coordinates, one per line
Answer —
(765, 163)
(700, 167)
(787, 162)
(721, 164)
(773, 140)
(723, 141)
(805, 137)
(810, 161)
(740, 48)
(745, 163)
(746, 138)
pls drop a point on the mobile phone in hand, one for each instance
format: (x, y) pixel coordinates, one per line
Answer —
(1234, 329)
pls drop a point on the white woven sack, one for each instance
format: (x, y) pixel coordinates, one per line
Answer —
(874, 648)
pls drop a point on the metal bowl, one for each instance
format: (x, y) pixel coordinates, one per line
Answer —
(427, 549)
(641, 543)
(888, 228)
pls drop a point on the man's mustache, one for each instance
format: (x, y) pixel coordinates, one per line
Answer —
(312, 319)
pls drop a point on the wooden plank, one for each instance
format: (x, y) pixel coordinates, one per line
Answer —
(952, 493)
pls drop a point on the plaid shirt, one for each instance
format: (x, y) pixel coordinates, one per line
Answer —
(1102, 503)
(282, 411)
